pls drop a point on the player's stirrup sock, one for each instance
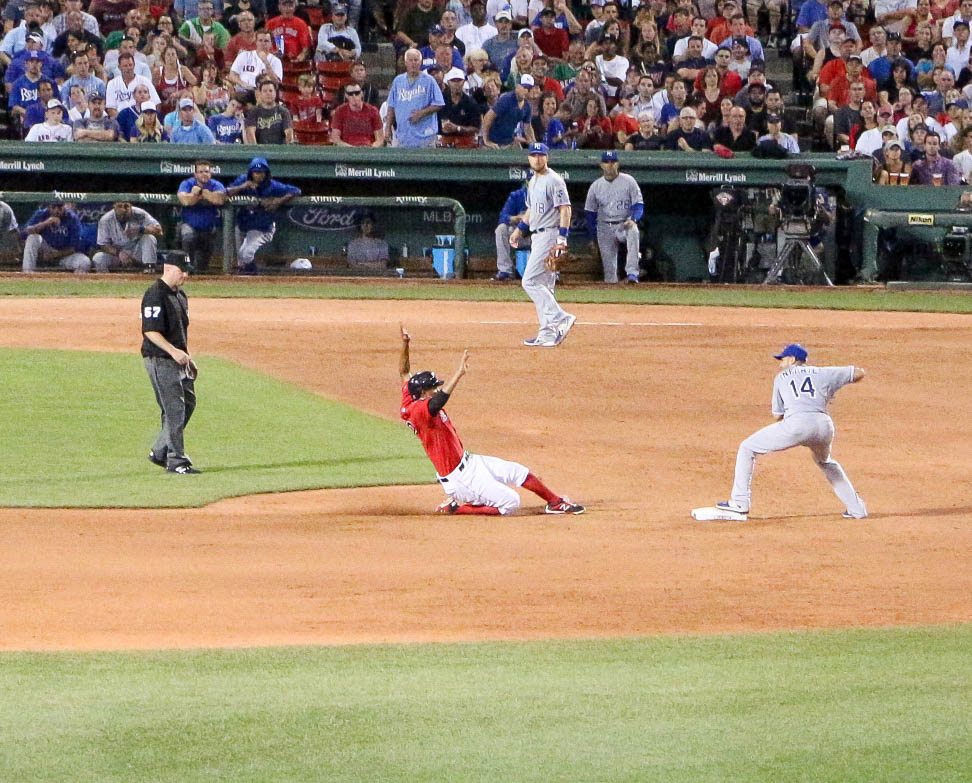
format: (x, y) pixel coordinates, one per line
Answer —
(484, 511)
(537, 487)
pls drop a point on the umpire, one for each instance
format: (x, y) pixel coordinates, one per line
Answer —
(613, 208)
(165, 348)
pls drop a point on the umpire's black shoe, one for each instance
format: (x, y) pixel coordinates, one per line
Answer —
(184, 470)
(155, 459)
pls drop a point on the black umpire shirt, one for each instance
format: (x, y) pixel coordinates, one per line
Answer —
(167, 312)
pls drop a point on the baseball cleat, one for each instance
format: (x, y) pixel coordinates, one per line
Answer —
(564, 328)
(849, 515)
(728, 505)
(632, 279)
(502, 277)
(184, 470)
(564, 506)
(540, 342)
(448, 507)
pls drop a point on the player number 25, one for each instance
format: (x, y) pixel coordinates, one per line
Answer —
(151, 312)
(805, 388)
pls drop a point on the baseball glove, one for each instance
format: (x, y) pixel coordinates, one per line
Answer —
(556, 258)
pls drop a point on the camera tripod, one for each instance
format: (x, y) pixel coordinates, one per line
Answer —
(798, 258)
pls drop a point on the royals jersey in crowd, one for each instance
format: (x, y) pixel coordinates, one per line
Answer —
(438, 436)
(804, 388)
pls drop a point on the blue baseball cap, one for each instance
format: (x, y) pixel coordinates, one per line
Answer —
(795, 350)
(609, 156)
(539, 148)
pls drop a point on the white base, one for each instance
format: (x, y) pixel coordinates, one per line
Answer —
(712, 514)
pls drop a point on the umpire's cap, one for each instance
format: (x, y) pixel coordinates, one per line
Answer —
(176, 258)
(421, 381)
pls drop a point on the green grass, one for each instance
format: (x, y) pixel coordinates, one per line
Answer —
(875, 705)
(843, 298)
(78, 427)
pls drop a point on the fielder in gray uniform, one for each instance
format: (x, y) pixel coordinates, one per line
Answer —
(801, 394)
(613, 207)
(547, 219)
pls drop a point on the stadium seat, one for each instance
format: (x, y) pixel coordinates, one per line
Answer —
(457, 142)
(312, 133)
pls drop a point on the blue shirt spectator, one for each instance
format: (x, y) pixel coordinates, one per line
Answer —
(811, 11)
(510, 109)
(50, 68)
(226, 130)
(197, 133)
(413, 101)
(23, 92)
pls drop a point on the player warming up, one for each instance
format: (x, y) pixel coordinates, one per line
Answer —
(547, 219)
(474, 484)
(801, 394)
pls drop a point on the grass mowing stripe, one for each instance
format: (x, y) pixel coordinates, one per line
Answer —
(864, 705)
(78, 427)
(842, 298)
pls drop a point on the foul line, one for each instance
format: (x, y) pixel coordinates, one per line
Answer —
(602, 323)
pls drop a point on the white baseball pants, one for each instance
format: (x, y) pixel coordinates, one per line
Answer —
(608, 236)
(250, 243)
(813, 430)
(539, 284)
(36, 249)
(484, 481)
(144, 250)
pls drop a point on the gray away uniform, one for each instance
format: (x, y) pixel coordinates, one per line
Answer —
(613, 201)
(801, 394)
(546, 193)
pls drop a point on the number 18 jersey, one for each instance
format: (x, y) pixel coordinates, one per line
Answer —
(804, 388)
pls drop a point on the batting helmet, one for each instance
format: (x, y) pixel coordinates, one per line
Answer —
(421, 381)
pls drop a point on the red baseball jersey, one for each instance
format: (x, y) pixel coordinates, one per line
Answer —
(438, 436)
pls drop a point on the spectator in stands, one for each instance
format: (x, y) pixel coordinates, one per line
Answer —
(97, 126)
(740, 31)
(359, 78)
(677, 99)
(413, 28)
(696, 30)
(172, 80)
(193, 28)
(126, 235)
(187, 9)
(449, 22)
(200, 197)
(552, 40)
(926, 70)
(257, 65)
(593, 130)
(189, 129)
(356, 123)
(268, 122)
(460, 116)
(775, 136)
(878, 38)
(575, 102)
(68, 7)
(234, 13)
(309, 105)
(504, 44)
(368, 252)
(53, 233)
(245, 39)
(848, 115)
(126, 117)
(120, 90)
(613, 68)
(15, 39)
(430, 52)
(82, 77)
(50, 68)
(548, 126)
(934, 169)
(646, 138)
(935, 98)
(227, 126)
(687, 137)
(693, 63)
(478, 31)
(811, 12)
(337, 27)
(921, 15)
(53, 128)
(256, 223)
(736, 137)
(414, 99)
(210, 95)
(511, 109)
(126, 46)
(893, 74)
(148, 129)
(957, 54)
(893, 15)
(962, 14)
(37, 110)
(818, 37)
(894, 170)
(963, 160)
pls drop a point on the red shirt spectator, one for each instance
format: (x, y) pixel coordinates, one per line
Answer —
(838, 75)
(296, 34)
(355, 123)
(552, 41)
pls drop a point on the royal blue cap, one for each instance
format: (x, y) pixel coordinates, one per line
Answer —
(795, 350)
(539, 148)
(609, 156)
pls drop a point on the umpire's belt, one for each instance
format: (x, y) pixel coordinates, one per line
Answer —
(457, 469)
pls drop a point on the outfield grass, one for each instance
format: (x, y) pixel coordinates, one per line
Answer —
(875, 705)
(842, 298)
(78, 427)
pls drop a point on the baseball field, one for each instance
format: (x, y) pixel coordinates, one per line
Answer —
(299, 614)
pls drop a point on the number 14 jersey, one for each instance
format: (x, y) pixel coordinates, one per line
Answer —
(804, 388)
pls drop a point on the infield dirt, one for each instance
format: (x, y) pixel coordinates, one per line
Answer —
(637, 415)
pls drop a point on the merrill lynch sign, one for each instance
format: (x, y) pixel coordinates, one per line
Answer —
(363, 172)
(715, 177)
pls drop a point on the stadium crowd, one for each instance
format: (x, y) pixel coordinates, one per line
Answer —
(892, 80)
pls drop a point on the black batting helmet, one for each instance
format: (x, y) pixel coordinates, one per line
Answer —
(421, 381)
